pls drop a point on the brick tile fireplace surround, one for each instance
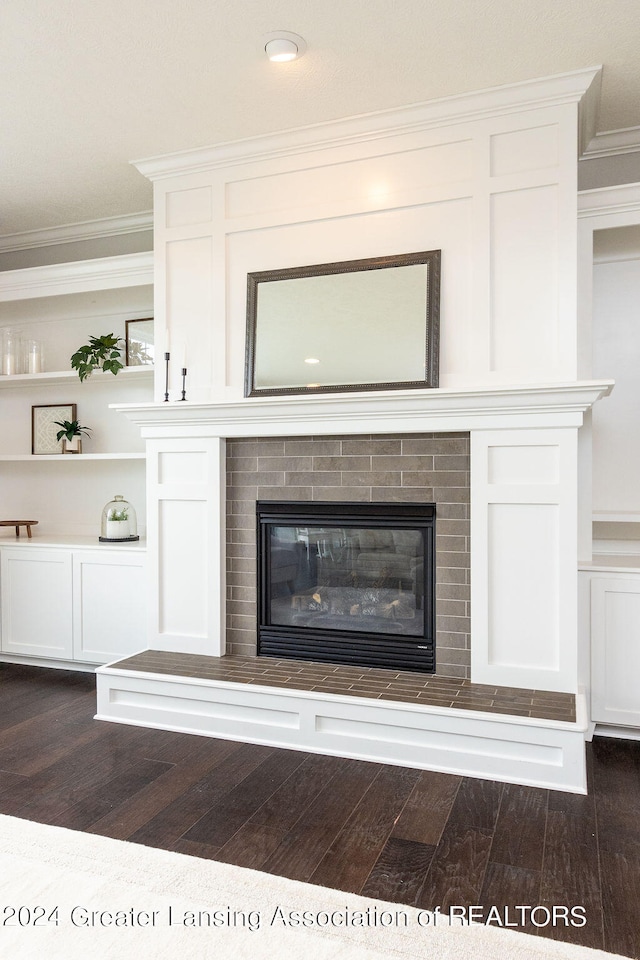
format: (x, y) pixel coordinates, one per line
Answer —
(413, 468)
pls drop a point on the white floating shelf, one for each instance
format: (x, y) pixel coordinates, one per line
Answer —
(612, 516)
(65, 376)
(105, 273)
(47, 458)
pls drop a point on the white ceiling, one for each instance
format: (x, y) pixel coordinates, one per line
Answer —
(88, 85)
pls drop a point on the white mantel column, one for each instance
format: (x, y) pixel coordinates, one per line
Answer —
(186, 510)
(524, 539)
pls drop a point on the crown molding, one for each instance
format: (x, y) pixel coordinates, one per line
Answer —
(73, 232)
(580, 86)
(612, 143)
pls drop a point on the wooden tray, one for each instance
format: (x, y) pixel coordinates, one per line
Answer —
(19, 523)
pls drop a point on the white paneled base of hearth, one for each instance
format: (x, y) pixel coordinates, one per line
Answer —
(532, 752)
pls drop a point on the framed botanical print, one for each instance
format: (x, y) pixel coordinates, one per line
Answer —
(44, 426)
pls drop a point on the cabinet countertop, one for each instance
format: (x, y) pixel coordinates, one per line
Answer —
(70, 542)
(606, 563)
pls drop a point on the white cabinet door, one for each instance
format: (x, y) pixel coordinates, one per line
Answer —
(109, 605)
(615, 650)
(36, 602)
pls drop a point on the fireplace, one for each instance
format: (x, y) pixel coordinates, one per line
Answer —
(413, 469)
(347, 583)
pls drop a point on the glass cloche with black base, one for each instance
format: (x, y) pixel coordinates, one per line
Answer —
(119, 524)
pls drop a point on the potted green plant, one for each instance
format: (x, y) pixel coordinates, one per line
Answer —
(71, 435)
(101, 353)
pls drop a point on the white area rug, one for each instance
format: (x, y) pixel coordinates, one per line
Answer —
(72, 895)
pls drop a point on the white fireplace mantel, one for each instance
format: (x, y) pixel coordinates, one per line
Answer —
(394, 411)
(524, 521)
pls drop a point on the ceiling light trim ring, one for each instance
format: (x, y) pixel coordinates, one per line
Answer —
(283, 46)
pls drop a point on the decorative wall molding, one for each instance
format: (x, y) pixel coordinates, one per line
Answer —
(580, 86)
(73, 232)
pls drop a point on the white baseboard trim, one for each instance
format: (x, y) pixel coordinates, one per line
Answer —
(76, 666)
(620, 733)
(540, 753)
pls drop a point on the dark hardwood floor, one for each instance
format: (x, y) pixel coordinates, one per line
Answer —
(414, 837)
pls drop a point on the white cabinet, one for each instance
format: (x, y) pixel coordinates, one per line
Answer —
(77, 605)
(615, 649)
(36, 603)
(109, 615)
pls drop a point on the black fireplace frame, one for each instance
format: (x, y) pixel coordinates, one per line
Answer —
(390, 651)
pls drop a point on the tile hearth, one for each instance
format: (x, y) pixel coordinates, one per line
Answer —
(364, 682)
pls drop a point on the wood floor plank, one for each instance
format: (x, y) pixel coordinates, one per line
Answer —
(350, 859)
(399, 872)
(69, 781)
(616, 781)
(46, 695)
(227, 815)
(175, 820)
(519, 827)
(253, 845)
(462, 855)
(200, 755)
(428, 807)
(35, 742)
(302, 849)
(505, 889)
(259, 837)
(74, 768)
(10, 782)
(620, 886)
(477, 804)
(107, 796)
(570, 867)
(192, 849)
(457, 869)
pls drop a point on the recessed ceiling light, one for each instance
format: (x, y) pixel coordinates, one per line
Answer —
(312, 360)
(282, 46)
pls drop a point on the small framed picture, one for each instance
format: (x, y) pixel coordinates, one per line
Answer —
(44, 426)
(139, 342)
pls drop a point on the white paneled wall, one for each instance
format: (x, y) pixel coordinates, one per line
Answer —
(489, 179)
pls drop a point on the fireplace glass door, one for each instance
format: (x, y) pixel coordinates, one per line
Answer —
(347, 583)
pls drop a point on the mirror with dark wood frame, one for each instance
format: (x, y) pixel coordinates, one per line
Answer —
(356, 325)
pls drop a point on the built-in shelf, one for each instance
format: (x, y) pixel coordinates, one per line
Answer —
(613, 563)
(46, 458)
(105, 273)
(64, 376)
(612, 516)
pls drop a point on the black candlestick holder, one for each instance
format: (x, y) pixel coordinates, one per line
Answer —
(184, 389)
(167, 357)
